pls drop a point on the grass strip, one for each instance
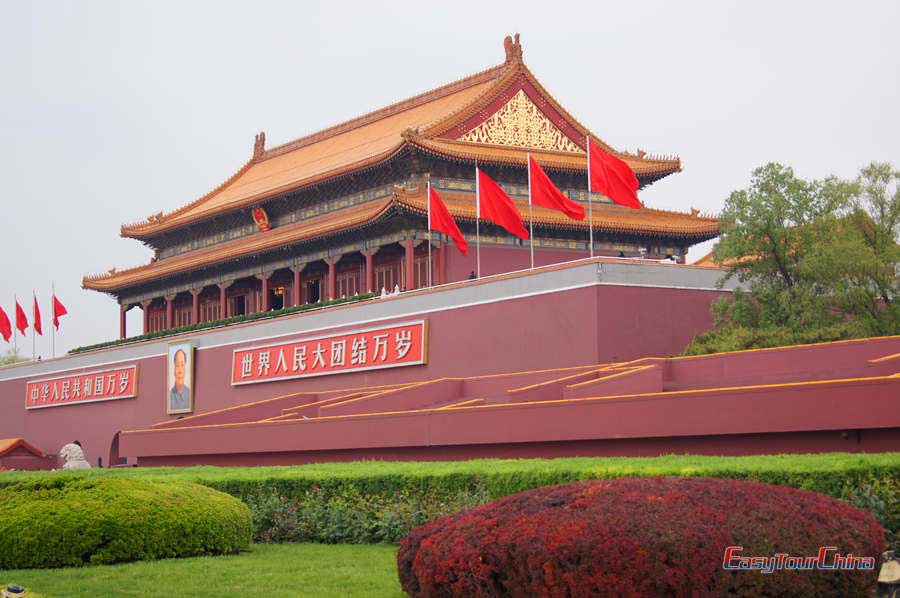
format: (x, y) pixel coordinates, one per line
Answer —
(270, 570)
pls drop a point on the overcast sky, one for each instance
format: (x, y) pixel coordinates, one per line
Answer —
(111, 111)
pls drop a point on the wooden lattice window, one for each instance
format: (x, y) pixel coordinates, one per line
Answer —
(209, 311)
(347, 283)
(183, 316)
(387, 276)
(156, 320)
(420, 266)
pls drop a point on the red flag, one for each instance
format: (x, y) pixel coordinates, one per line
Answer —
(442, 221)
(612, 177)
(496, 206)
(58, 310)
(5, 326)
(545, 194)
(37, 317)
(21, 320)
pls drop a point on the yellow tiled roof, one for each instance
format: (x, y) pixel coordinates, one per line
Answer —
(8, 445)
(276, 237)
(606, 217)
(374, 138)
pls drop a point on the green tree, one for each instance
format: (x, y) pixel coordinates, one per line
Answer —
(818, 259)
(861, 263)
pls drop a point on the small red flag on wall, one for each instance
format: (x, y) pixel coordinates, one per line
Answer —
(21, 320)
(5, 326)
(58, 310)
(37, 317)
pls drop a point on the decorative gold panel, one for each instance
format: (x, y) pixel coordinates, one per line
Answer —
(519, 122)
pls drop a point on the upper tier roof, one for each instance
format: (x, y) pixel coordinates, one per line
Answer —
(453, 120)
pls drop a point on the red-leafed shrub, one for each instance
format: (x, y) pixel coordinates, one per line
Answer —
(639, 537)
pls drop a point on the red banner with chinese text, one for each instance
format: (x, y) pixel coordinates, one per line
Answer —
(87, 387)
(371, 349)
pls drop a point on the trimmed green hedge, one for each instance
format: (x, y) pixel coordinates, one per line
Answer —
(260, 315)
(67, 521)
(378, 501)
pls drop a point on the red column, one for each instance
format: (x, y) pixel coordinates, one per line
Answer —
(195, 308)
(331, 276)
(264, 277)
(439, 263)
(223, 304)
(145, 306)
(170, 311)
(370, 271)
(123, 309)
(295, 291)
(444, 268)
(410, 264)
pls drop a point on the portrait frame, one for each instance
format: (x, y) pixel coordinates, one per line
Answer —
(175, 397)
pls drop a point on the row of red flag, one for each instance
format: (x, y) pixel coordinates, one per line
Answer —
(606, 174)
(22, 320)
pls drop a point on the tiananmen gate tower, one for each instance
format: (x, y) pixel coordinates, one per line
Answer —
(343, 211)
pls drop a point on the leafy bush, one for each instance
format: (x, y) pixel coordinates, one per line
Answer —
(638, 537)
(345, 515)
(71, 521)
(881, 498)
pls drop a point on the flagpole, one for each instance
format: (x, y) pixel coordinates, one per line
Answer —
(477, 220)
(428, 199)
(590, 210)
(53, 328)
(16, 340)
(33, 314)
(530, 213)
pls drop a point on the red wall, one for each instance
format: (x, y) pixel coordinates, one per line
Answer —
(567, 328)
(498, 259)
(852, 415)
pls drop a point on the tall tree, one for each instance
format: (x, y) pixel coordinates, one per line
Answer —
(861, 264)
(819, 260)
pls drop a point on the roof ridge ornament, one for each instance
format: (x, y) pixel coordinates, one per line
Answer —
(259, 145)
(513, 49)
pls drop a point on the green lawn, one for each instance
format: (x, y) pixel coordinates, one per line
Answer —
(270, 570)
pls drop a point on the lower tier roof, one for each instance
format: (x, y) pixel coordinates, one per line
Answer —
(607, 219)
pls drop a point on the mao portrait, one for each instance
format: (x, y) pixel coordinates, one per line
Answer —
(180, 396)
